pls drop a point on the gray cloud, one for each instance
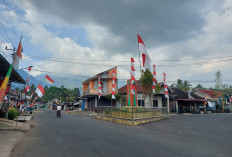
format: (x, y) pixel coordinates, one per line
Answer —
(159, 22)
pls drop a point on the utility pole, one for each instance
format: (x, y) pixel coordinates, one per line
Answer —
(7, 77)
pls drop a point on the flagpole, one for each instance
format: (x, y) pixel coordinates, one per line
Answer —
(139, 60)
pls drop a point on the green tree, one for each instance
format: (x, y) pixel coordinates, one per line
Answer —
(147, 81)
(183, 85)
(186, 86)
(218, 80)
(198, 86)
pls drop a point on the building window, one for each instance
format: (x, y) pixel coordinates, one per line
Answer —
(141, 103)
(155, 103)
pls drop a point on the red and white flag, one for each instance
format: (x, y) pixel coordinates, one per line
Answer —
(132, 76)
(29, 68)
(165, 86)
(154, 78)
(113, 84)
(40, 91)
(18, 56)
(99, 87)
(145, 57)
(27, 88)
(49, 80)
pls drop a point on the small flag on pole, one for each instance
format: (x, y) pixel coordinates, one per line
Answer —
(49, 80)
(113, 84)
(145, 57)
(40, 91)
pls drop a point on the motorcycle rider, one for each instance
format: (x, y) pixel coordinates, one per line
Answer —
(58, 109)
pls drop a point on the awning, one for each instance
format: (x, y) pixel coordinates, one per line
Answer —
(4, 66)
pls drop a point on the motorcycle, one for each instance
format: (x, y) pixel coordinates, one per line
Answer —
(58, 113)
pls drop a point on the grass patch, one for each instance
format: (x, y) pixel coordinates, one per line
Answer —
(3, 125)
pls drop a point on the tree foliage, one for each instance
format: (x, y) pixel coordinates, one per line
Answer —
(146, 81)
(218, 80)
(61, 93)
(183, 85)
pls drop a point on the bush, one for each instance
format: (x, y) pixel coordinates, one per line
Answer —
(12, 113)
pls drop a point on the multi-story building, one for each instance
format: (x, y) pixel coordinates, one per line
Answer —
(90, 90)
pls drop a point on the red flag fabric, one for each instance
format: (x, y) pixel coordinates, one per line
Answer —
(145, 57)
(19, 51)
(29, 69)
(40, 91)
(48, 80)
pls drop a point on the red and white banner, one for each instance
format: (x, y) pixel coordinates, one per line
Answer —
(18, 56)
(145, 57)
(49, 80)
(99, 87)
(165, 86)
(40, 91)
(154, 78)
(132, 76)
(27, 88)
(113, 84)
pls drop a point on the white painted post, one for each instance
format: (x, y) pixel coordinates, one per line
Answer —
(168, 105)
(177, 107)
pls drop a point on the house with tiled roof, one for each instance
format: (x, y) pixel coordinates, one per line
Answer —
(212, 96)
(182, 101)
(157, 100)
(90, 90)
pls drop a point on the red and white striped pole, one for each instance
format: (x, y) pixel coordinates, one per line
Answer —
(154, 78)
(27, 85)
(166, 92)
(165, 86)
(99, 87)
(132, 76)
(113, 85)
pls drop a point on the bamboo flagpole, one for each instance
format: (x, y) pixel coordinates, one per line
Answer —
(7, 77)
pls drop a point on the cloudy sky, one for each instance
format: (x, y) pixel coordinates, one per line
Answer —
(186, 39)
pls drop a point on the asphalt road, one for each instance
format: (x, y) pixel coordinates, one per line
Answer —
(72, 135)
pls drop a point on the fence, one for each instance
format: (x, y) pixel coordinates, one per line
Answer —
(131, 112)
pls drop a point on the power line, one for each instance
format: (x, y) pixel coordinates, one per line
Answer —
(107, 60)
(99, 64)
(10, 18)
